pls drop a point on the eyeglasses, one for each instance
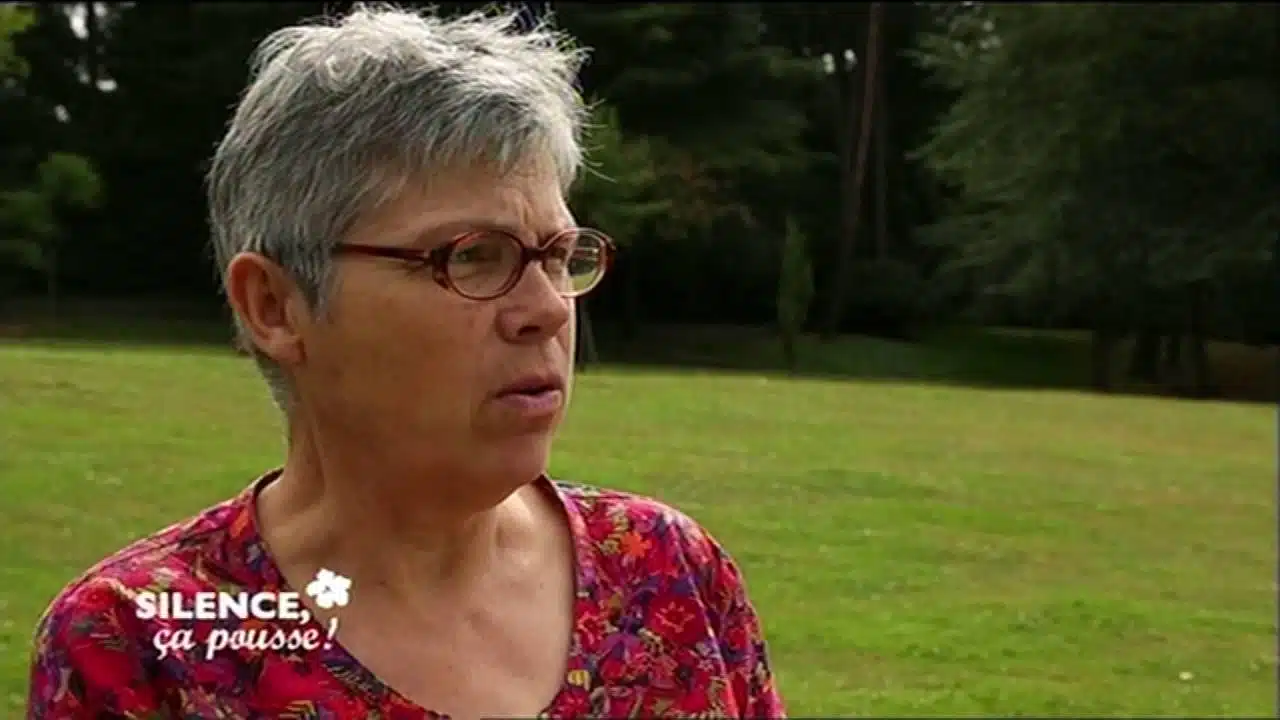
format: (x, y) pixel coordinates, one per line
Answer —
(487, 264)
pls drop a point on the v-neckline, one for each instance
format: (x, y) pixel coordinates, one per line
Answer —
(580, 670)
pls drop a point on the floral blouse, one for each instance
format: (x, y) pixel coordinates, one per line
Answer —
(663, 629)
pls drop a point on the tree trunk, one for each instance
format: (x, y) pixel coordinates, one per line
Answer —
(850, 88)
(93, 49)
(1144, 361)
(789, 354)
(587, 355)
(51, 278)
(851, 197)
(879, 126)
(1201, 374)
(631, 301)
(1101, 351)
(1172, 355)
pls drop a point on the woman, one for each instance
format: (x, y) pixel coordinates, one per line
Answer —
(389, 220)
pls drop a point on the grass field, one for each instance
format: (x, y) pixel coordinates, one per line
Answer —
(913, 548)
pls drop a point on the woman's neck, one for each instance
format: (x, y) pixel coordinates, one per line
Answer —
(395, 536)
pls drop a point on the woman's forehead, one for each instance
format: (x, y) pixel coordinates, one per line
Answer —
(518, 204)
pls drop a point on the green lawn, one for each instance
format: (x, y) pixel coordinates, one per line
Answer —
(912, 548)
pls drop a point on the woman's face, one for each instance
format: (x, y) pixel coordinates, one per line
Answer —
(403, 367)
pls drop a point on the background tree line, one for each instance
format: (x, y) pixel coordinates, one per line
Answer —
(873, 168)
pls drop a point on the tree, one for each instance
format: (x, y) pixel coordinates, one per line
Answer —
(618, 190)
(67, 183)
(1103, 156)
(869, 65)
(14, 19)
(895, 195)
(718, 103)
(795, 291)
(29, 217)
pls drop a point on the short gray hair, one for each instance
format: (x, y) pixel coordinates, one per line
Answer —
(339, 116)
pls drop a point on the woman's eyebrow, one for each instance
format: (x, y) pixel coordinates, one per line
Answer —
(441, 233)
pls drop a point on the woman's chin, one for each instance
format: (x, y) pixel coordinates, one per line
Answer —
(521, 459)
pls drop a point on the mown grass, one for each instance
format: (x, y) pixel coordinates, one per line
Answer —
(914, 548)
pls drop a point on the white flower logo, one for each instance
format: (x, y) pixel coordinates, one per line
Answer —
(329, 589)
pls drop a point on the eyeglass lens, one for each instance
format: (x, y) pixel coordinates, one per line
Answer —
(489, 263)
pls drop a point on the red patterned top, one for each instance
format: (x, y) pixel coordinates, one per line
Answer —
(663, 629)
